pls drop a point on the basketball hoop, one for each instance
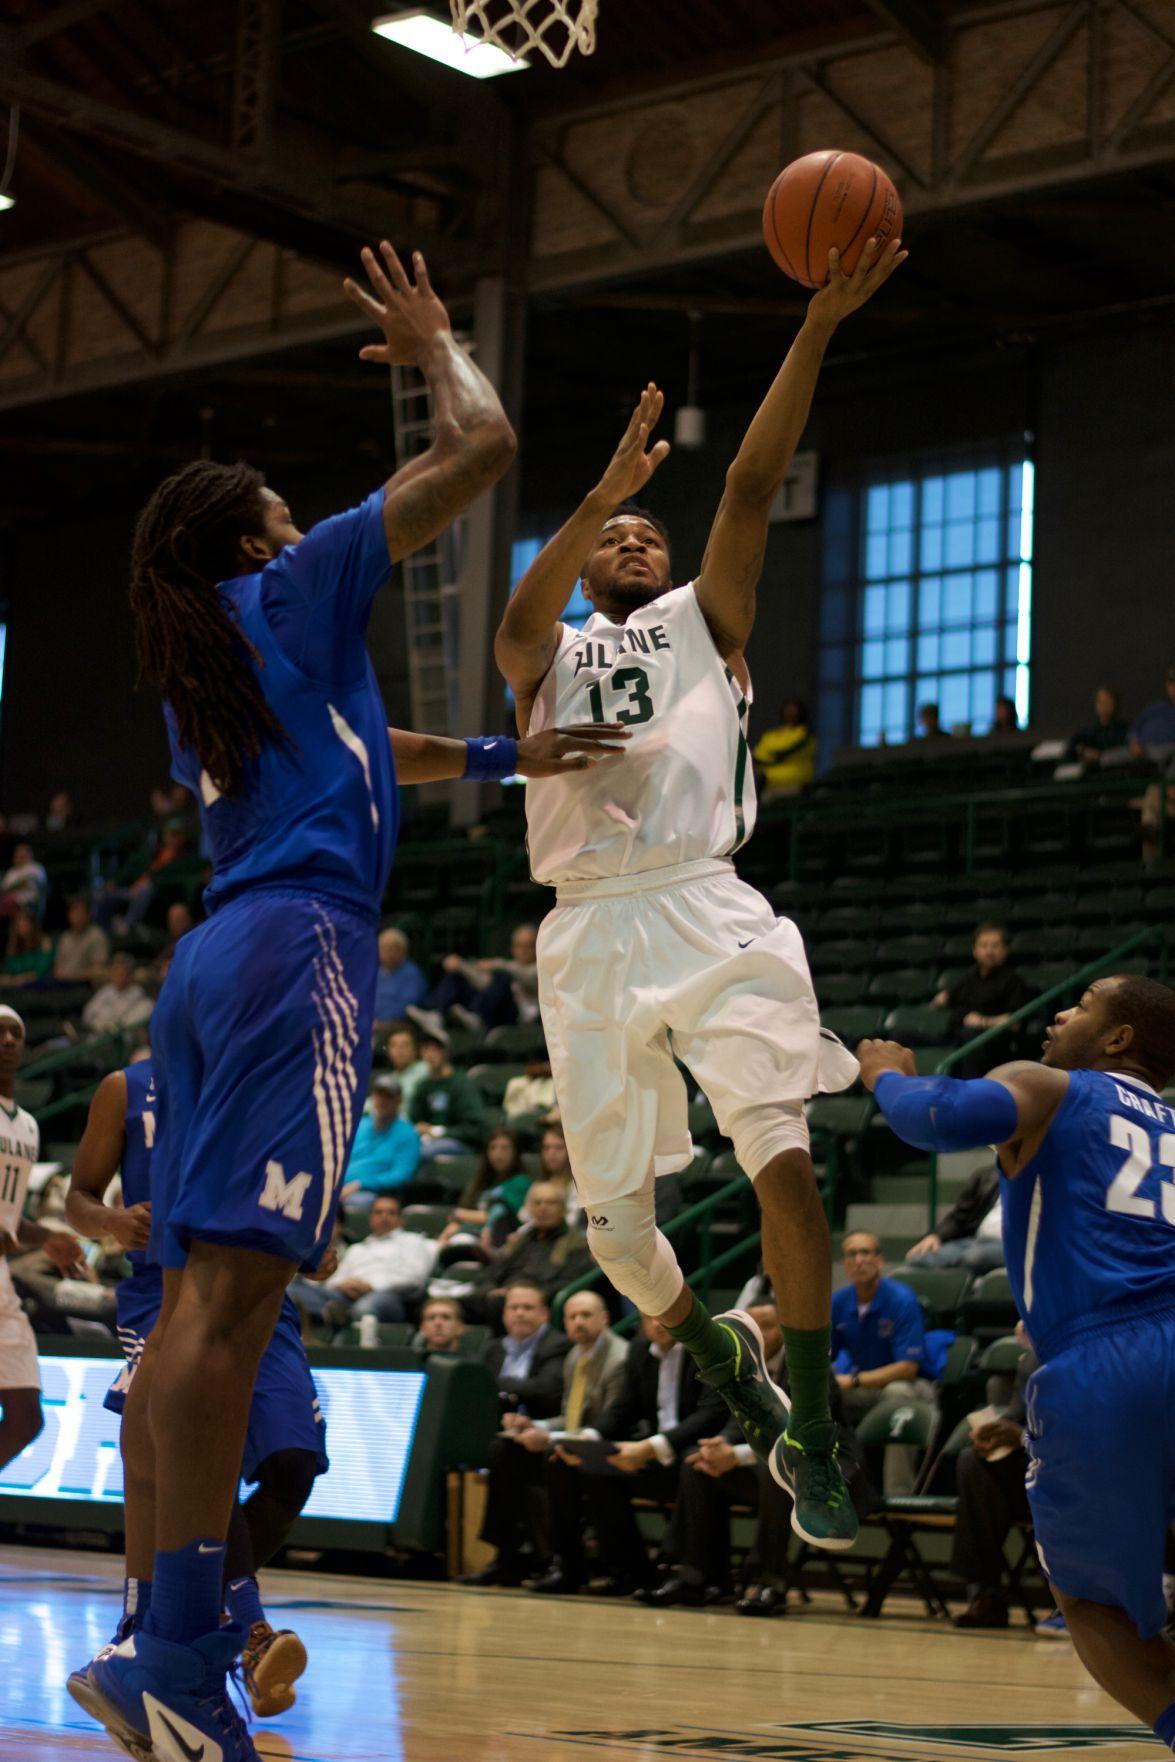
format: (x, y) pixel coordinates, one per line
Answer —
(554, 27)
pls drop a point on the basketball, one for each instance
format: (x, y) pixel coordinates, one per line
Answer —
(826, 199)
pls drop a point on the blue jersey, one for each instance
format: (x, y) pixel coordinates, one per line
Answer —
(890, 1331)
(318, 811)
(140, 1139)
(1089, 1224)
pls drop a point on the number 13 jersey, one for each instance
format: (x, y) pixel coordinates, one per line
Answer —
(685, 788)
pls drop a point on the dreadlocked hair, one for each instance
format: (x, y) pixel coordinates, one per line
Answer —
(190, 643)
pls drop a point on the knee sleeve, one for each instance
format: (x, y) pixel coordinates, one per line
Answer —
(632, 1252)
(766, 1129)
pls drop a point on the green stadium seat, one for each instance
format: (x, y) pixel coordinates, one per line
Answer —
(426, 1220)
(1048, 973)
(838, 988)
(450, 1173)
(939, 1289)
(988, 1311)
(847, 920)
(1097, 908)
(905, 985)
(491, 1080)
(856, 1022)
(702, 1124)
(522, 1042)
(908, 951)
(839, 1116)
(918, 1024)
(847, 955)
(1003, 1354)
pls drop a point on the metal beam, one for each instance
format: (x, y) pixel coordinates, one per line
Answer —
(917, 23)
(60, 18)
(255, 79)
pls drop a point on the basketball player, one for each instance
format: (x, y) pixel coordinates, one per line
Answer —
(655, 948)
(285, 1446)
(20, 1141)
(1086, 1152)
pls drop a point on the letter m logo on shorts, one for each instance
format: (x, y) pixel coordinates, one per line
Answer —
(278, 1194)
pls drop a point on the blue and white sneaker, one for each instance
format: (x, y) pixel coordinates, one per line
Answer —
(1053, 1627)
(167, 1703)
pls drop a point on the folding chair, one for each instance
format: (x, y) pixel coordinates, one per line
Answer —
(902, 1515)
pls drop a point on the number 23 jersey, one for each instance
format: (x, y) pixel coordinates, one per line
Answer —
(685, 787)
(1089, 1224)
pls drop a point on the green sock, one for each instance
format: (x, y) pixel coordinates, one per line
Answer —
(707, 1343)
(807, 1351)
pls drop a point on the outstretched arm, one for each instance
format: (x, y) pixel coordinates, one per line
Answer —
(1013, 1107)
(733, 560)
(434, 758)
(529, 632)
(473, 443)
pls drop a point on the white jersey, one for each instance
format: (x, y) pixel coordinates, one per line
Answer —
(685, 789)
(20, 1143)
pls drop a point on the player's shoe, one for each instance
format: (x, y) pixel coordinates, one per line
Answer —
(758, 1403)
(270, 1664)
(1053, 1627)
(822, 1511)
(168, 1703)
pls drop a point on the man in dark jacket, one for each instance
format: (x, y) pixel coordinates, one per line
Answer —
(985, 998)
(969, 1234)
(547, 1252)
(662, 1412)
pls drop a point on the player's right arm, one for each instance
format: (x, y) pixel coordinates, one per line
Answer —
(97, 1162)
(1012, 1108)
(528, 635)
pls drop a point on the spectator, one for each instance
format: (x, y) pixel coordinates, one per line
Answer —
(119, 1004)
(404, 1057)
(1107, 733)
(661, 1413)
(1152, 732)
(878, 1346)
(386, 1151)
(494, 1195)
(549, 1253)
(786, 755)
(970, 1233)
(379, 1276)
(555, 1170)
(134, 900)
(62, 814)
(1005, 720)
(28, 957)
(400, 984)
(525, 1477)
(527, 1363)
(984, 998)
(929, 723)
(447, 1109)
(992, 1497)
(531, 1096)
(441, 1326)
(83, 948)
(492, 993)
(24, 884)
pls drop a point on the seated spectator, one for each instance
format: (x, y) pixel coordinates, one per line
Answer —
(386, 1151)
(1107, 733)
(120, 1003)
(24, 884)
(493, 1197)
(1152, 732)
(83, 948)
(878, 1347)
(134, 898)
(929, 725)
(380, 1276)
(548, 1252)
(525, 1477)
(970, 1233)
(992, 1497)
(441, 1326)
(984, 998)
(400, 985)
(403, 1048)
(527, 1362)
(491, 993)
(447, 1108)
(28, 956)
(555, 1170)
(61, 814)
(532, 1094)
(662, 1412)
(1005, 719)
(785, 756)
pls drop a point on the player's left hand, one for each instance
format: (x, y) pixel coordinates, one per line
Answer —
(876, 1056)
(842, 294)
(410, 317)
(329, 1264)
(631, 1458)
(63, 1250)
(578, 747)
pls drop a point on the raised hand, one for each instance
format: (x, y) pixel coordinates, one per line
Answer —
(631, 466)
(842, 294)
(876, 1056)
(409, 316)
(578, 747)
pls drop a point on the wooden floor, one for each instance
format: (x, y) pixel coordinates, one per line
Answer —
(408, 1672)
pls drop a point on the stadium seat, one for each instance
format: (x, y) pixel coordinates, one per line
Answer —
(851, 1023)
(491, 1080)
(838, 988)
(426, 1220)
(847, 920)
(988, 1311)
(450, 1173)
(904, 985)
(918, 1024)
(522, 1042)
(847, 955)
(908, 951)
(939, 1289)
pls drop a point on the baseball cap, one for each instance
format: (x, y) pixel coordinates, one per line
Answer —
(387, 1085)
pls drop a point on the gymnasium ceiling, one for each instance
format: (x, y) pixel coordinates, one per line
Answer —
(1033, 140)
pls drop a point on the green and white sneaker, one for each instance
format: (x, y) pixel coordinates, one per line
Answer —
(822, 1511)
(759, 1405)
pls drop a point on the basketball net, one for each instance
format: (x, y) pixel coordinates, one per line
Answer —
(554, 27)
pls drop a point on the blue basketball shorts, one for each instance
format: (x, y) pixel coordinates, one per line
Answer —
(284, 1414)
(262, 1043)
(1101, 1472)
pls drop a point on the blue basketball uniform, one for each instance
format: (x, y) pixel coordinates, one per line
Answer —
(285, 1413)
(1089, 1239)
(263, 1028)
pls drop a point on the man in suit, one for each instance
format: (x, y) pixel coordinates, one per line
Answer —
(527, 1365)
(663, 1409)
(519, 1457)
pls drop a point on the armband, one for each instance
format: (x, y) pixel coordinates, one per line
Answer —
(490, 760)
(945, 1113)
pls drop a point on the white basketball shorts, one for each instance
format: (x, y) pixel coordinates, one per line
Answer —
(689, 961)
(19, 1368)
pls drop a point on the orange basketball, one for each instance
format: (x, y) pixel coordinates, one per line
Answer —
(827, 199)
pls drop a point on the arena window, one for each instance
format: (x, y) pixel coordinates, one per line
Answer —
(927, 598)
